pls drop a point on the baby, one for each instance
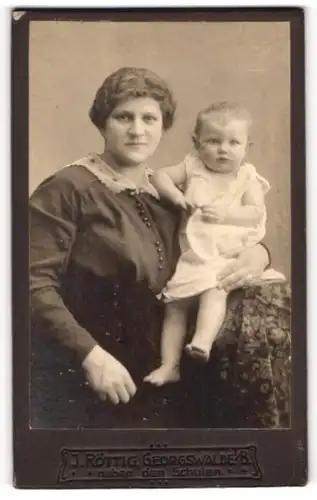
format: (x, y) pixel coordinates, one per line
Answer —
(223, 197)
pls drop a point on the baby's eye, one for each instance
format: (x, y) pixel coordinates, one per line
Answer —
(213, 140)
(234, 142)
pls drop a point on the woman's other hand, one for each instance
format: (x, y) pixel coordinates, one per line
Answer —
(249, 265)
(108, 377)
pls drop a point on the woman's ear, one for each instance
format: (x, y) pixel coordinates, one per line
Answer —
(102, 132)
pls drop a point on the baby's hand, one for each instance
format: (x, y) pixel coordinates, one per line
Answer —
(191, 205)
(179, 200)
(213, 213)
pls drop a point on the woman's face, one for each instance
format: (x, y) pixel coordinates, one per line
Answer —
(133, 131)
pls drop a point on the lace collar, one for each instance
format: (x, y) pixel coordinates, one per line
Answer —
(113, 180)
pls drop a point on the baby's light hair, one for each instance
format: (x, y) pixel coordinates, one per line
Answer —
(228, 109)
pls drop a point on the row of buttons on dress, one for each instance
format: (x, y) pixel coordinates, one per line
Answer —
(141, 211)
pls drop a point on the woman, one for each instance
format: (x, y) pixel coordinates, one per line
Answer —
(102, 246)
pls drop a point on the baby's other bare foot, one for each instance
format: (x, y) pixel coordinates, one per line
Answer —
(197, 352)
(163, 375)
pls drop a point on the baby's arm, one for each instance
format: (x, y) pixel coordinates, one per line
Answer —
(166, 180)
(252, 209)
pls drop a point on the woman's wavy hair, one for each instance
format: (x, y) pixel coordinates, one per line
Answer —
(127, 83)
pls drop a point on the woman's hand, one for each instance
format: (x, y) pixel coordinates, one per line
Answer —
(249, 265)
(108, 377)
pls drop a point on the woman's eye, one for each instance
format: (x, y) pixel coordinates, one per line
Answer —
(149, 118)
(122, 118)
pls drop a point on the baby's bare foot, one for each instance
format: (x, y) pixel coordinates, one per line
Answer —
(197, 352)
(163, 375)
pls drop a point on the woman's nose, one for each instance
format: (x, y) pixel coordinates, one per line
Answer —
(136, 128)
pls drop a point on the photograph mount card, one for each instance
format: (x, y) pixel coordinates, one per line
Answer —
(159, 249)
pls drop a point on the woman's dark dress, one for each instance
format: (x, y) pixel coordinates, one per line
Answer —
(97, 261)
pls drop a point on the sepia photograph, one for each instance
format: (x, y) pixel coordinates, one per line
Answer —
(160, 183)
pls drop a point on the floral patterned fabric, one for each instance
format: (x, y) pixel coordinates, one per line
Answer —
(247, 381)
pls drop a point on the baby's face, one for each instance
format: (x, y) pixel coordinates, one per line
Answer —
(223, 143)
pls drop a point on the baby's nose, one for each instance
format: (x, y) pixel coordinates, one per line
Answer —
(223, 147)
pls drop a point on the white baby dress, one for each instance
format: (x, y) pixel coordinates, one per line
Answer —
(203, 244)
